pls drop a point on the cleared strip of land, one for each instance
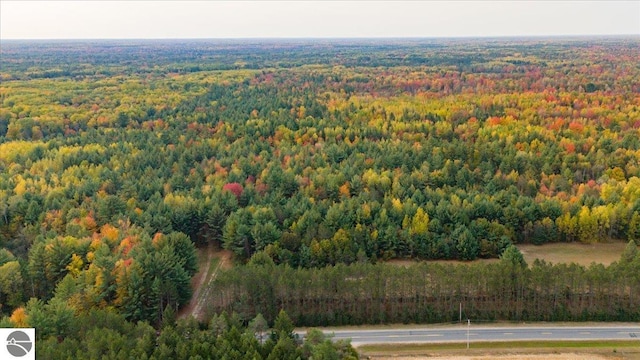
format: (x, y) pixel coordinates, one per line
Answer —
(210, 261)
(520, 350)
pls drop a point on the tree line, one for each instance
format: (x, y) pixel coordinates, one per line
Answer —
(426, 292)
(105, 334)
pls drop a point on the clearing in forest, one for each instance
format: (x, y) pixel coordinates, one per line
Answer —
(583, 254)
(555, 253)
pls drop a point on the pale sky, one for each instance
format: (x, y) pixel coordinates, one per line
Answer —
(97, 19)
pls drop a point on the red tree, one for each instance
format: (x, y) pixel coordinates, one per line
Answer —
(234, 187)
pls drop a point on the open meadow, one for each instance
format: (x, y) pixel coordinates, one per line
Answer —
(583, 254)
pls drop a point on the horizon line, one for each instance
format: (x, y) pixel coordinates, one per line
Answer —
(432, 37)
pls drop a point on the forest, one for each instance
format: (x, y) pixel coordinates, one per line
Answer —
(315, 162)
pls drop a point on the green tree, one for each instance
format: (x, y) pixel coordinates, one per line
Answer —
(629, 254)
(258, 326)
(467, 245)
(513, 257)
(283, 326)
(11, 286)
(634, 228)
(285, 349)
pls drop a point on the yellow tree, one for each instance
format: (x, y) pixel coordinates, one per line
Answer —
(419, 223)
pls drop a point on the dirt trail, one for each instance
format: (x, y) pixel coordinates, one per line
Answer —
(201, 283)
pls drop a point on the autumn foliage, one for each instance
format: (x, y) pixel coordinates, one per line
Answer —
(319, 155)
(234, 188)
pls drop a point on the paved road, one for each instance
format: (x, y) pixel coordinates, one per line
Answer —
(479, 333)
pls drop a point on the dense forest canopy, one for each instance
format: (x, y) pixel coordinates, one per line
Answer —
(118, 158)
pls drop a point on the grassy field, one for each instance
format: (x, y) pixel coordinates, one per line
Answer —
(584, 254)
(507, 350)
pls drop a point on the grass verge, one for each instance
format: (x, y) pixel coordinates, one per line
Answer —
(413, 348)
